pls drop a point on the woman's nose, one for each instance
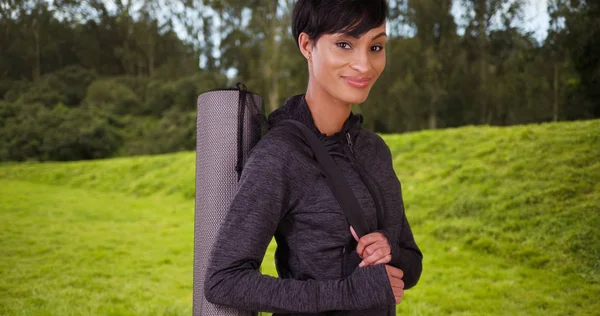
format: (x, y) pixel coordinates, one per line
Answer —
(361, 62)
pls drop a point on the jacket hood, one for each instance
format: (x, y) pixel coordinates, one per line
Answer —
(296, 108)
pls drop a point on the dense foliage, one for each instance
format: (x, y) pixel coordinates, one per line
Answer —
(93, 79)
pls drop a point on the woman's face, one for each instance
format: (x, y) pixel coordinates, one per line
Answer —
(347, 67)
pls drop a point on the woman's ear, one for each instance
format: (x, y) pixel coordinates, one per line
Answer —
(305, 44)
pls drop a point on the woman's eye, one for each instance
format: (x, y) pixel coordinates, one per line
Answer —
(343, 45)
(377, 48)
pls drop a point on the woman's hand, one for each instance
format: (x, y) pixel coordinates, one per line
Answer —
(373, 248)
(395, 276)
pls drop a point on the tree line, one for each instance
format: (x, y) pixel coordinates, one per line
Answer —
(94, 79)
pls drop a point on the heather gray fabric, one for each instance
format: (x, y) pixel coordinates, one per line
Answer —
(282, 193)
(216, 178)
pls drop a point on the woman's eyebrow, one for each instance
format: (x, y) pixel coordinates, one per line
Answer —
(379, 35)
(357, 37)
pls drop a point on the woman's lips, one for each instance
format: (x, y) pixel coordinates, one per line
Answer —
(357, 82)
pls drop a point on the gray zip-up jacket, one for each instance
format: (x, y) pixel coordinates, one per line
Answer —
(283, 193)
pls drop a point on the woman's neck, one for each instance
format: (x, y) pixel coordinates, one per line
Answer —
(328, 113)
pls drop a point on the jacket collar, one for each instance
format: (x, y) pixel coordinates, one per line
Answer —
(296, 108)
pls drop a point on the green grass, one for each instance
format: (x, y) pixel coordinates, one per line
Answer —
(141, 176)
(529, 193)
(508, 220)
(70, 251)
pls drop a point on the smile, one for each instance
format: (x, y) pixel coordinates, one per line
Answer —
(357, 82)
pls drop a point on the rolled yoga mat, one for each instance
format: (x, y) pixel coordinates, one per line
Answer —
(225, 118)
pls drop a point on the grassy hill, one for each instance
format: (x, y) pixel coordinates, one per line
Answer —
(508, 220)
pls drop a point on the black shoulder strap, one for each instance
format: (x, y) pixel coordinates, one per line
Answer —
(336, 181)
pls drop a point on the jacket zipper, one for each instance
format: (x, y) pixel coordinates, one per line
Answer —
(368, 180)
(349, 138)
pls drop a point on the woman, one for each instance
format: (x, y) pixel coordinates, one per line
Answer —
(324, 268)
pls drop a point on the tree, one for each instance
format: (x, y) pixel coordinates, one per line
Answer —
(436, 31)
(479, 14)
(582, 23)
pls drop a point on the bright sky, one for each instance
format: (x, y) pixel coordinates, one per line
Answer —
(535, 17)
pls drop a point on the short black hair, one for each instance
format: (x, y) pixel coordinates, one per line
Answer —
(350, 17)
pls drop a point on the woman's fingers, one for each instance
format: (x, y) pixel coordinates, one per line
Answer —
(398, 294)
(373, 248)
(367, 240)
(399, 285)
(385, 259)
(381, 254)
(395, 276)
(371, 242)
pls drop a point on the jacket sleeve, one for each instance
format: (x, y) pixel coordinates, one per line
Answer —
(406, 255)
(266, 190)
